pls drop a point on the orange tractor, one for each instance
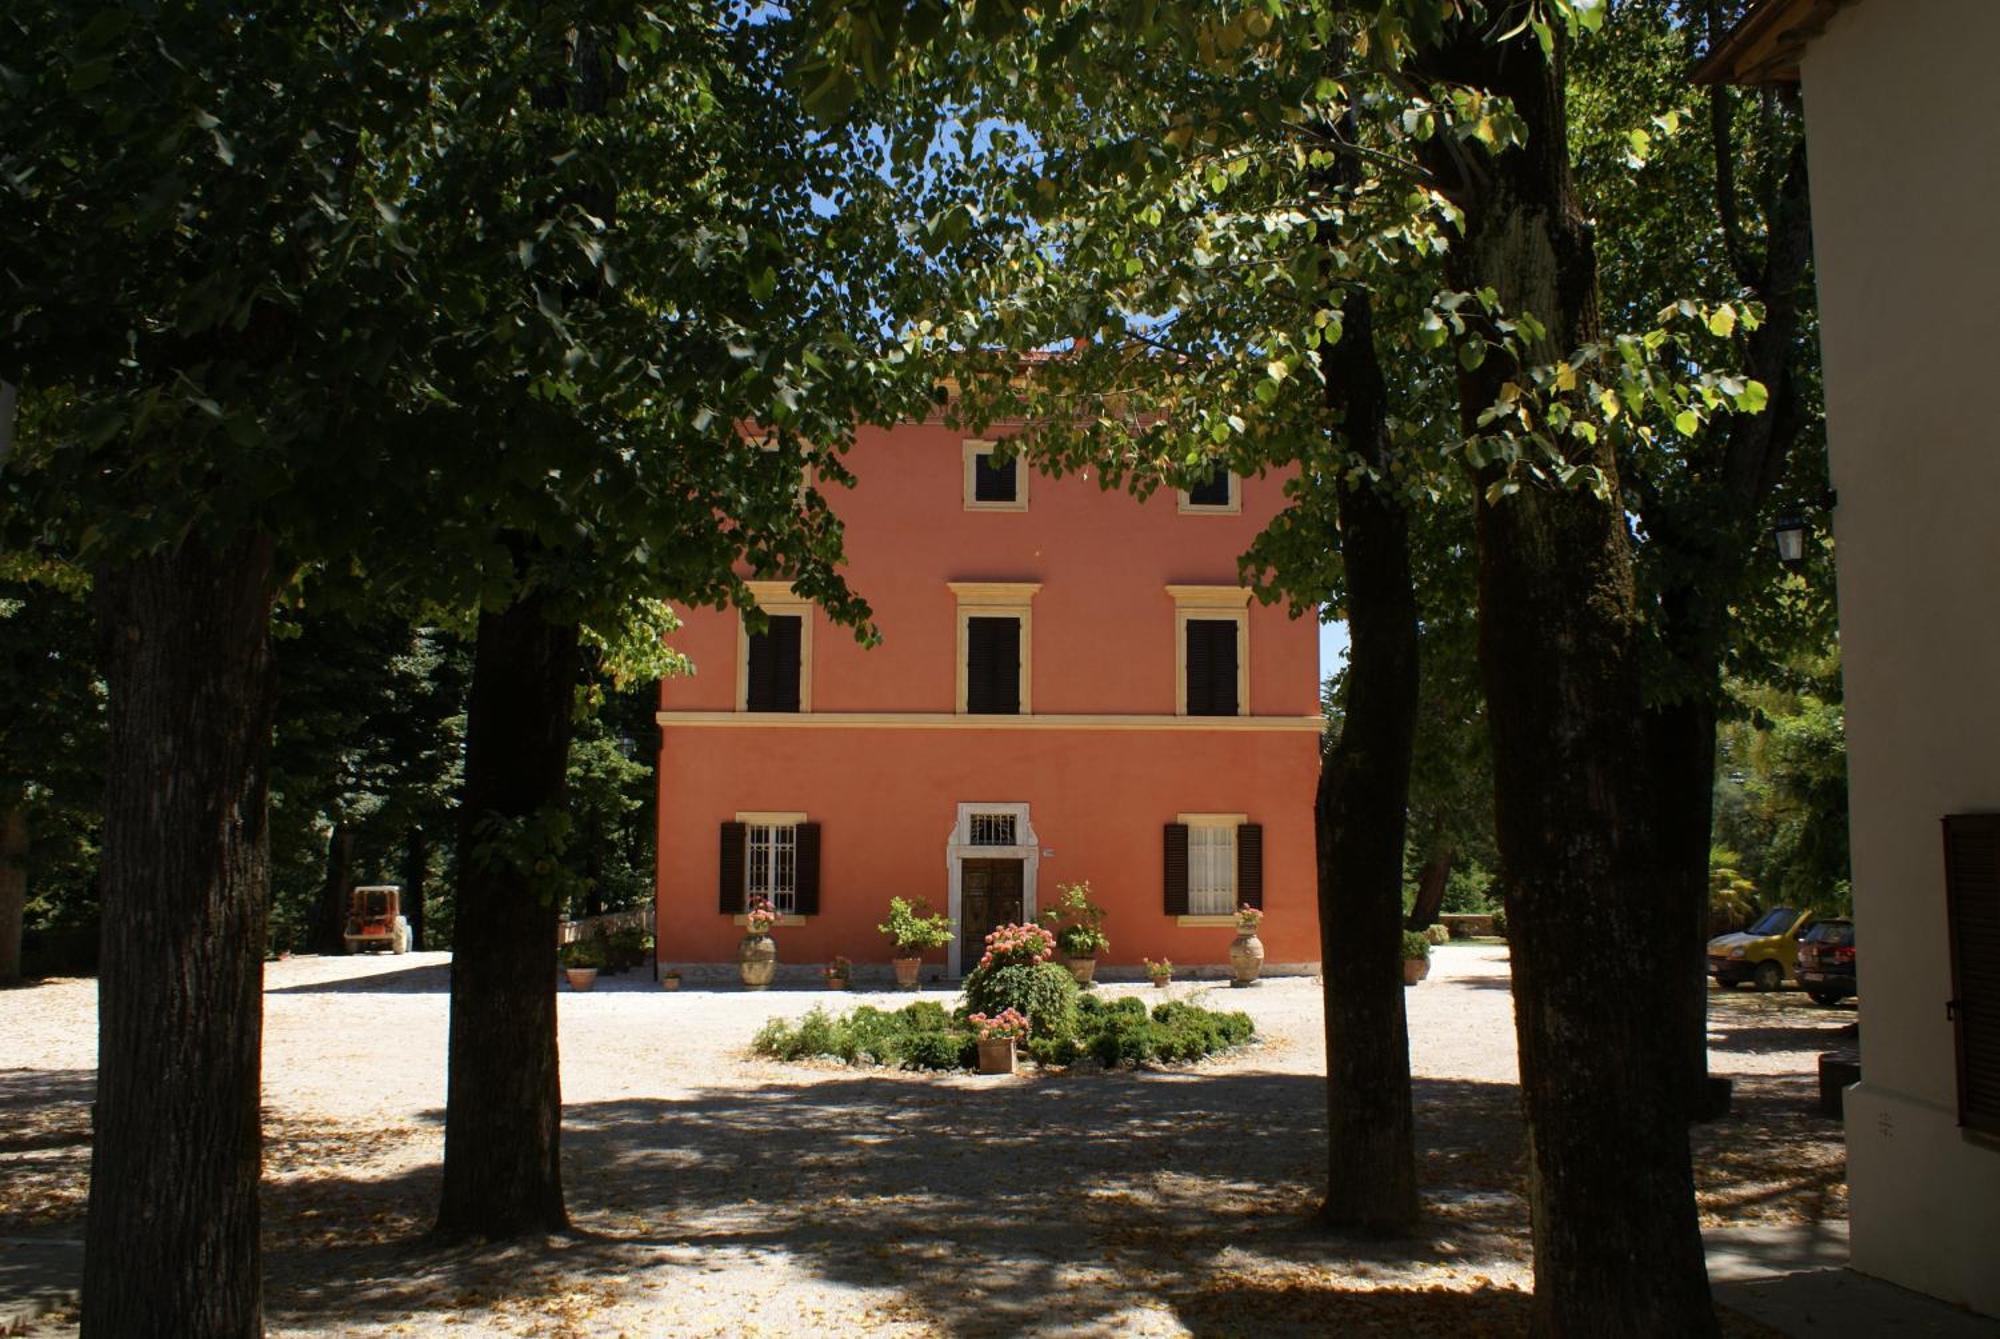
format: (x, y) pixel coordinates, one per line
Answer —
(374, 922)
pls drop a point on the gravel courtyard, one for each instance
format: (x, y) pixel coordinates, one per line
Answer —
(714, 1193)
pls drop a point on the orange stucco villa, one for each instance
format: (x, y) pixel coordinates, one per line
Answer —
(1071, 685)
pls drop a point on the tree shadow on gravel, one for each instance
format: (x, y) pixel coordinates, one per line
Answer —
(1160, 1184)
(44, 1149)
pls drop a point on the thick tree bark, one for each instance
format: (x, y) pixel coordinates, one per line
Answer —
(1359, 818)
(1617, 1246)
(1431, 881)
(503, 1111)
(171, 1241)
(13, 889)
(416, 877)
(334, 888)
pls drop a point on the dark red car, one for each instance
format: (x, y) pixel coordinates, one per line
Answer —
(1826, 961)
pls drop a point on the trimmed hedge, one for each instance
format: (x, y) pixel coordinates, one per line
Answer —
(924, 1036)
(1044, 991)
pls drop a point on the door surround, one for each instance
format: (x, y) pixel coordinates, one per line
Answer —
(959, 848)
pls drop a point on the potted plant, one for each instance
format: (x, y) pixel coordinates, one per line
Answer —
(1079, 928)
(837, 973)
(998, 1036)
(1246, 951)
(914, 930)
(757, 954)
(1162, 971)
(670, 979)
(581, 961)
(1416, 957)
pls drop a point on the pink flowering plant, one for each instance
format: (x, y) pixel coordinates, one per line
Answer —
(1007, 1025)
(840, 968)
(761, 916)
(1248, 918)
(1160, 970)
(1018, 945)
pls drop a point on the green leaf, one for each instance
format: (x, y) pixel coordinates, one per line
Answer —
(1754, 397)
(1687, 423)
(1722, 321)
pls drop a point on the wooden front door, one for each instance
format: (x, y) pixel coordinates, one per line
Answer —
(989, 896)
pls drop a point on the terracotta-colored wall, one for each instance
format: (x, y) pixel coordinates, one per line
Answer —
(1103, 637)
(1102, 643)
(887, 800)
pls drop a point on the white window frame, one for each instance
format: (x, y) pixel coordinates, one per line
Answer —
(971, 450)
(771, 822)
(1212, 903)
(776, 598)
(1218, 603)
(996, 599)
(1233, 507)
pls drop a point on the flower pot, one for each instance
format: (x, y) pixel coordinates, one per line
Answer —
(1162, 982)
(670, 983)
(581, 978)
(836, 982)
(996, 1057)
(757, 960)
(1415, 970)
(1081, 968)
(908, 970)
(1246, 957)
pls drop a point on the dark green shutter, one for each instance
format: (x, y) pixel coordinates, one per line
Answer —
(1177, 869)
(993, 666)
(771, 665)
(806, 853)
(735, 842)
(1972, 911)
(995, 480)
(1211, 666)
(1250, 864)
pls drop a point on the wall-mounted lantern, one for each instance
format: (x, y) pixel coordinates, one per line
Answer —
(1790, 532)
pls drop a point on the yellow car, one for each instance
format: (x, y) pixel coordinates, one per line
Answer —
(1766, 953)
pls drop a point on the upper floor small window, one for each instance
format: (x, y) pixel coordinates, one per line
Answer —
(1220, 492)
(993, 483)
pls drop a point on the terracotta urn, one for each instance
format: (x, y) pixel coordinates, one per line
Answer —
(1246, 957)
(581, 978)
(997, 1056)
(1415, 970)
(757, 960)
(908, 972)
(1081, 968)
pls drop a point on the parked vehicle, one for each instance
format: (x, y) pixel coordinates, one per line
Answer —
(1826, 961)
(373, 921)
(1765, 954)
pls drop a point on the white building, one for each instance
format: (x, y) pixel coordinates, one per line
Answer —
(1904, 150)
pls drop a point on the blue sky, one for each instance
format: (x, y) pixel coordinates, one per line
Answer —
(1332, 647)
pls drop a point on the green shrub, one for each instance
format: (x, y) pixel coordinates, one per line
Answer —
(1437, 934)
(1078, 922)
(1500, 924)
(939, 1050)
(1044, 991)
(1415, 946)
(924, 1036)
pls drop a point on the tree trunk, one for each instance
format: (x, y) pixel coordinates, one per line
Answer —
(1616, 1242)
(13, 889)
(171, 1239)
(333, 891)
(416, 874)
(503, 1111)
(1359, 820)
(1431, 881)
(1715, 541)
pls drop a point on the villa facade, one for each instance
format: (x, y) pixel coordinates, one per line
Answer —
(1071, 685)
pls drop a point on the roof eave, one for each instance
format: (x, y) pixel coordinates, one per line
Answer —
(1765, 47)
